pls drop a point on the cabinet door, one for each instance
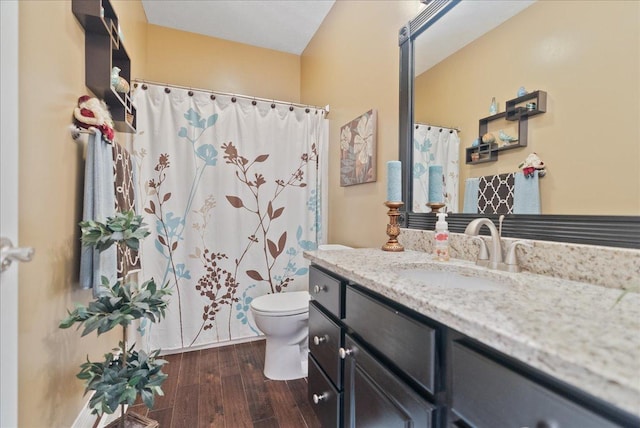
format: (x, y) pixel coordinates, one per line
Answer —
(375, 397)
(327, 291)
(487, 395)
(324, 398)
(405, 342)
(325, 339)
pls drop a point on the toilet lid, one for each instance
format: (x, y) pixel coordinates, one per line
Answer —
(282, 304)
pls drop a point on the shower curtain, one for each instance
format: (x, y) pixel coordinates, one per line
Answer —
(434, 145)
(233, 193)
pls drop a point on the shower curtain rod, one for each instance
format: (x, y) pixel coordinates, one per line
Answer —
(325, 109)
(455, 128)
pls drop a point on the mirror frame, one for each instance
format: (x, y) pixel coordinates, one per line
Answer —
(613, 231)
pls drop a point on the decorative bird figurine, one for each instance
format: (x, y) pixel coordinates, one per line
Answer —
(506, 138)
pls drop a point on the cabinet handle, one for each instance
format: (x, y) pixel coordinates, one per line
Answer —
(322, 397)
(317, 340)
(547, 424)
(344, 352)
(319, 289)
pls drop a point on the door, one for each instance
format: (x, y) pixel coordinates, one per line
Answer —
(9, 211)
(374, 397)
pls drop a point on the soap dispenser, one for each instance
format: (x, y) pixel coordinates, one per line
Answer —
(441, 244)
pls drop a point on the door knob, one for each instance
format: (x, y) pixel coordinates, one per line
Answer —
(343, 352)
(9, 254)
(322, 397)
(317, 340)
(318, 289)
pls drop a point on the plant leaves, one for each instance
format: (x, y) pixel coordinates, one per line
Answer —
(277, 213)
(270, 210)
(212, 120)
(253, 274)
(273, 248)
(166, 197)
(282, 242)
(235, 201)
(261, 158)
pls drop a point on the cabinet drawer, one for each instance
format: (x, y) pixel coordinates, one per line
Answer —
(325, 339)
(375, 397)
(327, 407)
(487, 394)
(327, 291)
(407, 343)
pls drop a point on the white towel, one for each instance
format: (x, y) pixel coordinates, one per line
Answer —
(526, 194)
(99, 203)
(471, 196)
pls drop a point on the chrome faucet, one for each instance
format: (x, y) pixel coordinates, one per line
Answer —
(495, 254)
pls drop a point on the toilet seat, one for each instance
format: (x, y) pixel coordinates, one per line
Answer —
(282, 304)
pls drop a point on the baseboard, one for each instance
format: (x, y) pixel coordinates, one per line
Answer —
(87, 420)
(211, 345)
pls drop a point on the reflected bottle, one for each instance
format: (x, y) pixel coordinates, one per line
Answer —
(493, 108)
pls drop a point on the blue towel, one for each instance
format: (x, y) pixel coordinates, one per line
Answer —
(526, 194)
(471, 196)
(99, 203)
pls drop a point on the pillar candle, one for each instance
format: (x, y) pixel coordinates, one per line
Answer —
(435, 184)
(394, 181)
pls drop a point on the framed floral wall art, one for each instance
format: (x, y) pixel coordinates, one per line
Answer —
(358, 150)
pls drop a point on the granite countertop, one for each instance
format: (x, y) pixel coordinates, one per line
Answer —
(573, 331)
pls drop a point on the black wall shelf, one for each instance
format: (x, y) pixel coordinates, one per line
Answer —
(517, 110)
(103, 51)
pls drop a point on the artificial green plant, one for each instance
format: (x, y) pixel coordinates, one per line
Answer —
(124, 374)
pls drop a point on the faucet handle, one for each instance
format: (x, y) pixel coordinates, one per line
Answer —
(484, 251)
(510, 258)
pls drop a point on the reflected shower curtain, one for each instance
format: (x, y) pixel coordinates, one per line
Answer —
(433, 145)
(233, 195)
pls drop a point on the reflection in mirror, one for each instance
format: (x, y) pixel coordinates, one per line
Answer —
(585, 55)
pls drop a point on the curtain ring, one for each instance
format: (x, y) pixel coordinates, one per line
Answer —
(144, 87)
(190, 93)
(440, 129)
(417, 126)
(290, 108)
(429, 129)
(233, 99)
(307, 110)
(213, 97)
(167, 90)
(254, 102)
(273, 105)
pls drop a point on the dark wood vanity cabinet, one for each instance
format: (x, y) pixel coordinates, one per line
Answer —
(374, 396)
(375, 363)
(326, 337)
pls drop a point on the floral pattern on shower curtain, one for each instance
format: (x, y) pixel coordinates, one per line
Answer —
(233, 195)
(433, 145)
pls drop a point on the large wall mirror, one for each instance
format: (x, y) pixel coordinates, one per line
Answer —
(455, 56)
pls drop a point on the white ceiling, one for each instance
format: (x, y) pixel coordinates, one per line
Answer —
(289, 25)
(282, 25)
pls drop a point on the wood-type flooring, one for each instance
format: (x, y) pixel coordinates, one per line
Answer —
(225, 387)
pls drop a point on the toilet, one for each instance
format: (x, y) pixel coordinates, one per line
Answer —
(284, 320)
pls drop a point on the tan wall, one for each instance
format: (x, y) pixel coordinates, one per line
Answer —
(51, 73)
(352, 63)
(586, 55)
(202, 62)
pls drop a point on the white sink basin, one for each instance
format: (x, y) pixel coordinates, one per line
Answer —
(443, 279)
